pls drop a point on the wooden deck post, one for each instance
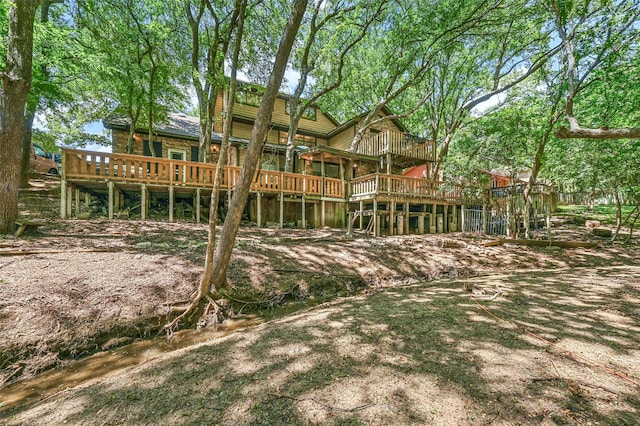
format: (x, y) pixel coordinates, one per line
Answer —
(392, 217)
(509, 213)
(259, 208)
(197, 205)
(110, 187)
(322, 213)
(453, 226)
(69, 199)
(462, 218)
(361, 214)
(63, 199)
(304, 213)
(281, 211)
(143, 201)
(76, 206)
(485, 219)
(421, 224)
(171, 203)
(376, 226)
(406, 218)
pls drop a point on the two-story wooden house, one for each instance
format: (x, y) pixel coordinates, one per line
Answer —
(328, 184)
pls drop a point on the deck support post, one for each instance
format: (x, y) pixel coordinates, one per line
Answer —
(406, 218)
(376, 220)
(143, 201)
(111, 196)
(259, 208)
(63, 199)
(392, 217)
(361, 214)
(304, 214)
(322, 213)
(69, 199)
(421, 224)
(455, 218)
(87, 200)
(198, 195)
(509, 227)
(171, 203)
(484, 218)
(76, 196)
(281, 210)
(432, 219)
(462, 218)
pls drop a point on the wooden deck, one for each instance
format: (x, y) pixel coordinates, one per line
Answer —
(383, 186)
(117, 179)
(84, 166)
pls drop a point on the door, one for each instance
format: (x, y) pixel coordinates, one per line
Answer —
(179, 169)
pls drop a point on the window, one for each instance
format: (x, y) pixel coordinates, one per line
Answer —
(299, 139)
(41, 153)
(330, 170)
(195, 153)
(310, 113)
(157, 147)
(248, 97)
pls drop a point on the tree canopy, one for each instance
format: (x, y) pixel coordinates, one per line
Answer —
(556, 70)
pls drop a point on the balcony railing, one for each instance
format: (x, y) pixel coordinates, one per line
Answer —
(392, 142)
(124, 168)
(394, 185)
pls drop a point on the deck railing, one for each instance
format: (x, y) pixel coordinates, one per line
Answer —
(85, 165)
(398, 143)
(394, 185)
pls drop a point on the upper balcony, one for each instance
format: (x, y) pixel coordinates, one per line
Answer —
(405, 149)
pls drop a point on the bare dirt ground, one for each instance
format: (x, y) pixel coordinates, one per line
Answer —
(505, 335)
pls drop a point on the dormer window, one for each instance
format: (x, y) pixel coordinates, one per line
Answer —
(310, 113)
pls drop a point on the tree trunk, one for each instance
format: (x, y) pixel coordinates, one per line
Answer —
(16, 82)
(32, 104)
(293, 129)
(616, 194)
(254, 150)
(205, 281)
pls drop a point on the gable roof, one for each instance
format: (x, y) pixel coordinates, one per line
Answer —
(355, 120)
(180, 125)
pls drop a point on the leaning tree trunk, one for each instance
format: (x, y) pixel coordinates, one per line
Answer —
(16, 82)
(254, 151)
(204, 287)
(216, 267)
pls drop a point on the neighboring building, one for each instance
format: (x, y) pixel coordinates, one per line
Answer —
(327, 185)
(502, 208)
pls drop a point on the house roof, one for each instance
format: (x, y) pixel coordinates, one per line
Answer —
(356, 120)
(180, 125)
(188, 127)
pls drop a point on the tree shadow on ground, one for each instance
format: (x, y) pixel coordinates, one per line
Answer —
(419, 354)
